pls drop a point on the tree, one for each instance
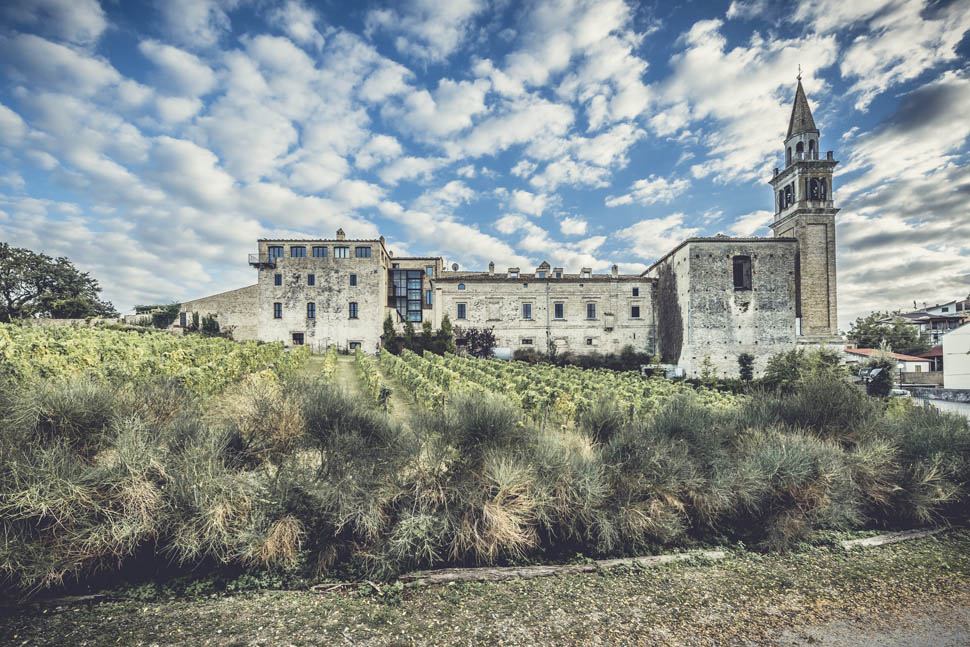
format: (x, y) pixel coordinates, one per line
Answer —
(427, 337)
(409, 335)
(899, 336)
(882, 383)
(446, 335)
(389, 338)
(36, 285)
(479, 342)
(746, 366)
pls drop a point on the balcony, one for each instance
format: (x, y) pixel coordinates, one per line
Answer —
(262, 260)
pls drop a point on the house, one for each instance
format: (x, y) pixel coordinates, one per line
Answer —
(904, 363)
(935, 355)
(956, 358)
(932, 325)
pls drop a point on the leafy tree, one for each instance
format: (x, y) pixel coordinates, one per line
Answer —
(163, 318)
(389, 338)
(479, 342)
(746, 366)
(427, 338)
(36, 285)
(880, 385)
(446, 335)
(899, 336)
(409, 335)
(787, 369)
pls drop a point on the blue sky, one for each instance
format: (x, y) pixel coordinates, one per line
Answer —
(153, 143)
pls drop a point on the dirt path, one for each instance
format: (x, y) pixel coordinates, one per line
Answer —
(346, 375)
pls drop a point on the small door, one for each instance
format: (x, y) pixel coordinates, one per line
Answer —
(297, 339)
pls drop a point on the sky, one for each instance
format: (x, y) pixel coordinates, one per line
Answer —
(154, 143)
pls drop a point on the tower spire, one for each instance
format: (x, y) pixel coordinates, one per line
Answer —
(801, 115)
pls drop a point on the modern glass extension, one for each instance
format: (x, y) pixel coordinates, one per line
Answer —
(405, 292)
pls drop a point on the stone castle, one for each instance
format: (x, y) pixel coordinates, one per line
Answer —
(708, 298)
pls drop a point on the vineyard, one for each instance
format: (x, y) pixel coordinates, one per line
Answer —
(545, 392)
(204, 365)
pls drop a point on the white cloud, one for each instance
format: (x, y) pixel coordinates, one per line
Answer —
(180, 73)
(298, 21)
(78, 21)
(572, 226)
(42, 64)
(650, 190)
(191, 172)
(515, 122)
(197, 23)
(409, 168)
(528, 203)
(387, 80)
(12, 127)
(654, 237)
(448, 111)
(379, 148)
(755, 223)
(428, 30)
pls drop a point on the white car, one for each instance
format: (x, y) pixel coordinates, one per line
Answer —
(900, 393)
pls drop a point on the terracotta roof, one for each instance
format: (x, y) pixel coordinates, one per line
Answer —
(869, 352)
(936, 351)
(801, 114)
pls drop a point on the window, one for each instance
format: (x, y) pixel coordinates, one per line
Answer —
(527, 311)
(945, 310)
(297, 339)
(362, 252)
(354, 345)
(429, 270)
(591, 311)
(540, 275)
(311, 310)
(353, 310)
(589, 341)
(461, 310)
(427, 297)
(461, 286)
(742, 272)
(558, 275)
(513, 275)
(395, 265)
(635, 312)
(275, 251)
(297, 251)
(527, 341)
(559, 308)
(341, 252)
(586, 274)
(353, 280)
(182, 319)
(405, 293)
(319, 252)
(311, 279)
(636, 292)
(277, 279)
(277, 311)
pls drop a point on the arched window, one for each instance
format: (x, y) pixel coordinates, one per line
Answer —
(799, 148)
(781, 200)
(789, 198)
(811, 149)
(788, 156)
(822, 190)
(813, 190)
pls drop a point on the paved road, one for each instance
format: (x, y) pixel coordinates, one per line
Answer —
(936, 627)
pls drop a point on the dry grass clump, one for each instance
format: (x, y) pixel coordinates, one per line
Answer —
(297, 474)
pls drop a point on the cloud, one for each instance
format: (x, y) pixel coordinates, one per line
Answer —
(298, 21)
(409, 168)
(379, 148)
(448, 111)
(81, 22)
(528, 203)
(752, 224)
(653, 237)
(41, 63)
(197, 24)
(12, 127)
(650, 190)
(179, 72)
(572, 226)
(427, 30)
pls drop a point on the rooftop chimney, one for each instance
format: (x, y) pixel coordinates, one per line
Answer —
(341, 235)
(491, 268)
(614, 271)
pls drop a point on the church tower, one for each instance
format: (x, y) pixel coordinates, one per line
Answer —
(804, 210)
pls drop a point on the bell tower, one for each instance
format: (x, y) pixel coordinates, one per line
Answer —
(804, 210)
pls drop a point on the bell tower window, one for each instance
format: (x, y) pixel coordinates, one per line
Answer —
(788, 157)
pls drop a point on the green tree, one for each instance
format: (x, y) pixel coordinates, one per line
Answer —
(746, 366)
(409, 335)
(389, 338)
(36, 285)
(446, 336)
(882, 383)
(427, 337)
(901, 337)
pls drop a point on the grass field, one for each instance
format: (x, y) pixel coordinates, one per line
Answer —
(748, 599)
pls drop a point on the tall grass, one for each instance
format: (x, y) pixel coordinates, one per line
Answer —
(297, 474)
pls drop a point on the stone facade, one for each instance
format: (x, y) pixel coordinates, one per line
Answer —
(705, 303)
(574, 312)
(234, 310)
(722, 312)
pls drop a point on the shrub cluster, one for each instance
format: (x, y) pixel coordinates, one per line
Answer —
(293, 472)
(628, 359)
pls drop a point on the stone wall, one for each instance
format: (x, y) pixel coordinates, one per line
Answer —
(926, 377)
(235, 310)
(331, 294)
(496, 301)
